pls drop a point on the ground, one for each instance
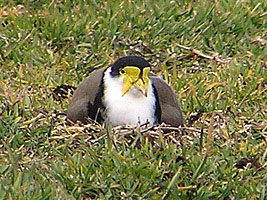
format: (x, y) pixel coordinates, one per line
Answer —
(212, 53)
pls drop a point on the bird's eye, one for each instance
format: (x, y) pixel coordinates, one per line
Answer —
(122, 71)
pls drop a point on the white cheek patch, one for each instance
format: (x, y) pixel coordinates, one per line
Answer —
(133, 108)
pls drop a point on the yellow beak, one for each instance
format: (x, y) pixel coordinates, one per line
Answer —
(132, 77)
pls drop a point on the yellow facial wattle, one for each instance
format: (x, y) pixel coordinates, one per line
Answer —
(131, 77)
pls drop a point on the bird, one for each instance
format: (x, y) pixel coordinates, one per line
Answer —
(125, 93)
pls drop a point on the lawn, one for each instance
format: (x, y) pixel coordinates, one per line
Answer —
(212, 53)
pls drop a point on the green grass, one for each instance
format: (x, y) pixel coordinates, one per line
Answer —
(44, 44)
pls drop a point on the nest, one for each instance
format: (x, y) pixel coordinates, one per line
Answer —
(93, 132)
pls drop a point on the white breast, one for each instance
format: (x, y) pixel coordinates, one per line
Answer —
(133, 108)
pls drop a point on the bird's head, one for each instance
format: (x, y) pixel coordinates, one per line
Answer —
(134, 70)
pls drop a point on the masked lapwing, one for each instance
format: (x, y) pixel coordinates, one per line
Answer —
(125, 93)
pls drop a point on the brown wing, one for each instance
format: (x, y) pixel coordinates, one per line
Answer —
(85, 94)
(170, 110)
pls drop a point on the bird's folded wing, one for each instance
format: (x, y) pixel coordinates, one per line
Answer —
(84, 95)
(171, 111)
